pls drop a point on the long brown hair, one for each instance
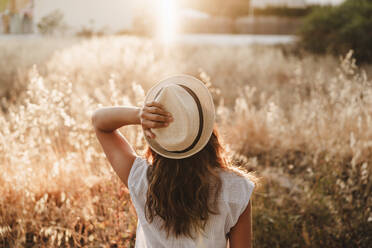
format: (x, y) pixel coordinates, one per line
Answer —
(184, 192)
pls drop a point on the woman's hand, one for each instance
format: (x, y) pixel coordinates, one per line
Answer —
(153, 115)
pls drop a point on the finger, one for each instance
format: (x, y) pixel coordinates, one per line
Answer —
(158, 105)
(149, 134)
(153, 124)
(155, 104)
(156, 110)
(156, 117)
(145, 115)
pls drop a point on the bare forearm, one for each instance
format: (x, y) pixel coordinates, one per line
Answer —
(108, 119)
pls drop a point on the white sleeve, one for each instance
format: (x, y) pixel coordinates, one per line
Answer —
(241, 193)
(137, 180)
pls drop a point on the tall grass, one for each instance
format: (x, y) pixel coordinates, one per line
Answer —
(17, 55)
(302, 123)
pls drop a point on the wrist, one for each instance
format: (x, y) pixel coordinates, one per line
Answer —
(137, 119)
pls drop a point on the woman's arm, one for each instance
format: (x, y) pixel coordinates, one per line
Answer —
(118, 151)
(108, 119)
(241, 234)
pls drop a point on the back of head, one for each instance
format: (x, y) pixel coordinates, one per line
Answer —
(184, 192)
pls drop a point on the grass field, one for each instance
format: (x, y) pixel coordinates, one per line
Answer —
(303, 123)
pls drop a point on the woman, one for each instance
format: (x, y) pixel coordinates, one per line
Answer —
(184, 192)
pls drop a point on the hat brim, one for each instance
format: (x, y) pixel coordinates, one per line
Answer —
(206, 102)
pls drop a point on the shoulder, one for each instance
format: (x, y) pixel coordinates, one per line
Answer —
(137, 180)
(236, 192)
(237, 186)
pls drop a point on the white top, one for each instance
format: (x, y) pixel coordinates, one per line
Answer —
(235, 194)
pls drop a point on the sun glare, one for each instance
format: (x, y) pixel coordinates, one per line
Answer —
(167, 21)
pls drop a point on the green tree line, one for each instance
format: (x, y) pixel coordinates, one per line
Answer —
(338, 29)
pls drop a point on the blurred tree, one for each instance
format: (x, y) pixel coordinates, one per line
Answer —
(3, 5)
(51, 23)
(337, 29)
(284, 11)
(231, 8)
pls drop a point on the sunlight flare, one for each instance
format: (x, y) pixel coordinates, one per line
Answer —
(167, 21)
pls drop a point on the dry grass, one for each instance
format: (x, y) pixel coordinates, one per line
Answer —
(302, 123)
(17, 55)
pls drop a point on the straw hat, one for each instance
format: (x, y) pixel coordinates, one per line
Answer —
(192, 109)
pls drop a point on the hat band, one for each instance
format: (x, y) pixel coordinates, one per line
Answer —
(201, 119)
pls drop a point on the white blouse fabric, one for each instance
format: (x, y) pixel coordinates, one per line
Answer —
(235, 194)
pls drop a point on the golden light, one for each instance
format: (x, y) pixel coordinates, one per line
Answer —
(167, 21)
